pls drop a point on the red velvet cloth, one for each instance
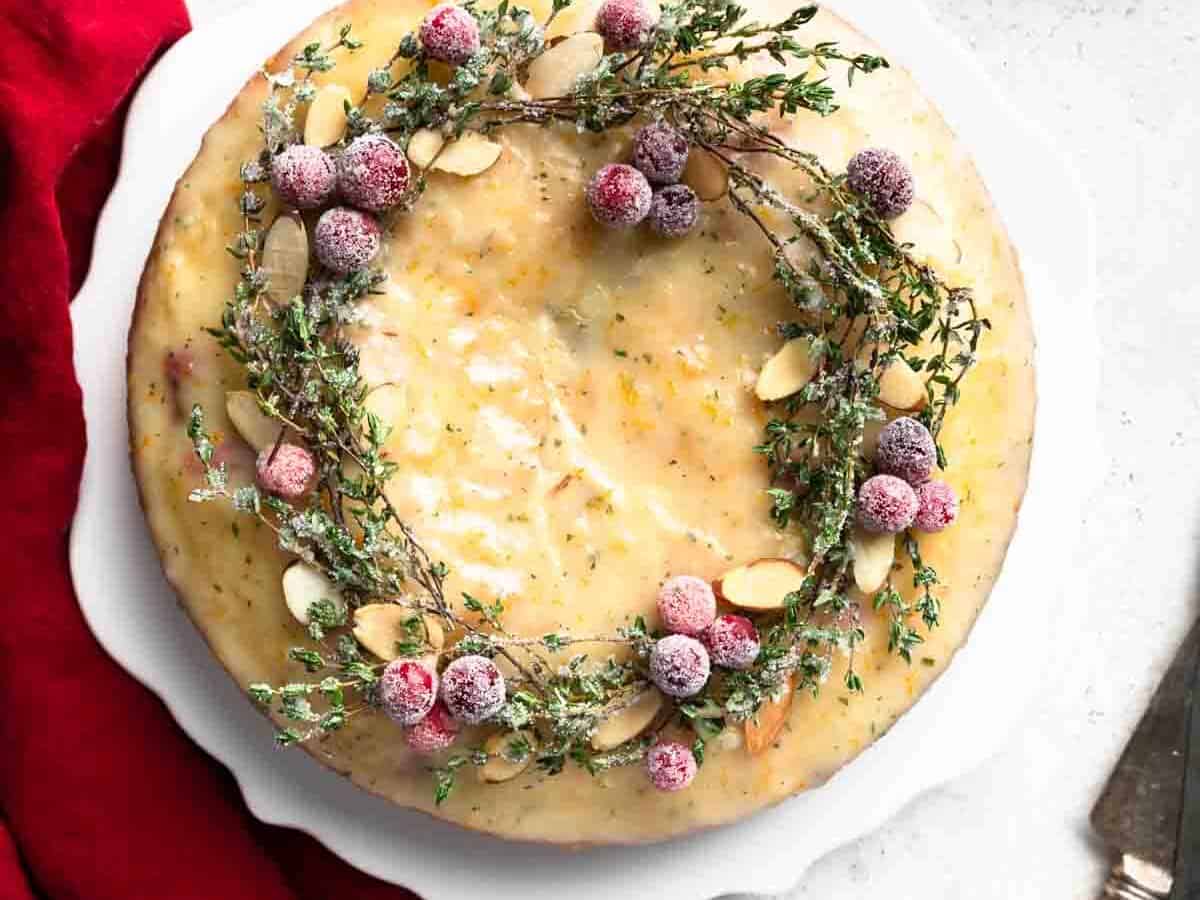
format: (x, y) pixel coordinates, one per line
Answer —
(101, 795)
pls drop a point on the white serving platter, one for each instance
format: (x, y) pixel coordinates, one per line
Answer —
(961, 719)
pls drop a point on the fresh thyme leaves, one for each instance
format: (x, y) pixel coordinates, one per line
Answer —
(864, 303)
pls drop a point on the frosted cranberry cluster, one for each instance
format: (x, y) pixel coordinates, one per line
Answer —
(469, 691)
(371, 175)
(623, 195)
(901, 494)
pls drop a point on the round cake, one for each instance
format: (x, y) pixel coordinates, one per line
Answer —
(570, 350)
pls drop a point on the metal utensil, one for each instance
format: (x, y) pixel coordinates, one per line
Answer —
(1139, 813)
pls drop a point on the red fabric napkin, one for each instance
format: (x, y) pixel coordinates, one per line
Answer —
(101, 795)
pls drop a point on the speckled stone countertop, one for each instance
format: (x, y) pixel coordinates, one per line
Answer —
(1116, 82)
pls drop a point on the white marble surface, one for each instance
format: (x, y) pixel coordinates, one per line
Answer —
(1116, 80)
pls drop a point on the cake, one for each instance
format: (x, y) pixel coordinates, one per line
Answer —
(574, 338)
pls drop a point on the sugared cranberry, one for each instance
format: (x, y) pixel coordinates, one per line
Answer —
(686, 605)
(472, 689)
(937, 506)
(660, 153)
(450, 34)
(373, 173)
(906, 450)
(407, 690)
(886, 504)
(626, 24)
(679, 665)
(674, 210)
(435, 732)
(884, 179)
(286, 471)
(619, 196)
(346, 240)
(732, 642)
(304, 177)
(670, 765)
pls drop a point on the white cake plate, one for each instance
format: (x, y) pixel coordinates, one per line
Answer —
(955, 725)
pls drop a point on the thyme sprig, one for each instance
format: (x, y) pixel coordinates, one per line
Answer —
(863, 301)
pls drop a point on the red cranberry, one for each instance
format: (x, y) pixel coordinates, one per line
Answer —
(660, 152)
(626, 24)
(435, 732)
(732, 642)
(886, 504)
(674, 211)
(303, 176)
(679, 665)
(884, 179)
(619, 196)
(686, 604)
(346, 240)
(450, 34)
(906, 450)
(937, 506)
(407, 690)
(288, 473)
(472, 689)
(671, 765)
(373, 173)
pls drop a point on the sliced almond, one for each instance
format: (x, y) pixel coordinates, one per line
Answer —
(423, 147)
(471, 154)
(303, 586)
(555, 72)
(629, 722)
(874, 555)
(930, 234)
(381, 626)
(706, 175)
(285, 258)
(762, 730)
(900, 387)
(762, 584)
(258, 430)
(787, 371)
(326, 122)
(499, 767)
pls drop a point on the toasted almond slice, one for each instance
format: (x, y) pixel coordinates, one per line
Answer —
(929, 233)
(555, 72)
(257, 430)
(873, 558)
(285, 258)
(762, 584)
(471, 154)
(499, 767)
(326, 122)
(787, 371)
(423, 147)
(303, 586)
(762, 730)
(381, 626)
(706, 175)
(629, 722)
(900, 387)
